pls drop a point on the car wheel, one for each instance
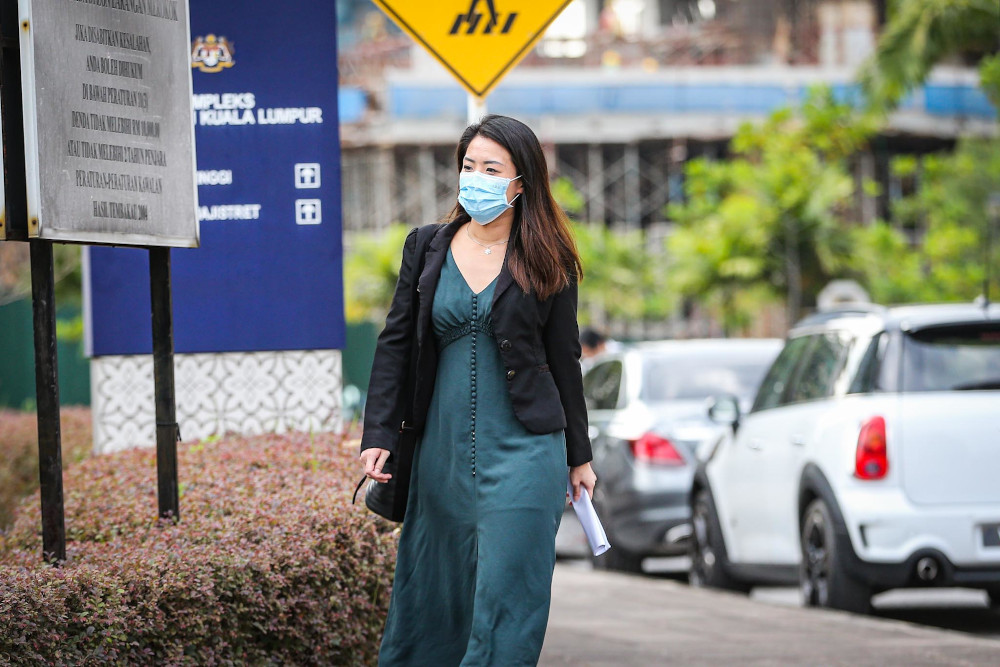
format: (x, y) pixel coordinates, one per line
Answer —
(707, 548)
(822, 577)
(993, 598)
(617, 559)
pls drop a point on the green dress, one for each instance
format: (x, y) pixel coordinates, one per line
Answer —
(474, 570)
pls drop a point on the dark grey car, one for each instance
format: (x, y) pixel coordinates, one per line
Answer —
(646, 406)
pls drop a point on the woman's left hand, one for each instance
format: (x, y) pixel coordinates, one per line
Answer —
(582, 477)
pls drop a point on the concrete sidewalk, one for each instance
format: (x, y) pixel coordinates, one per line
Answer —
(601, 618)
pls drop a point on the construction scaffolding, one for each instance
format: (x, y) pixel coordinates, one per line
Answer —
(620, 184)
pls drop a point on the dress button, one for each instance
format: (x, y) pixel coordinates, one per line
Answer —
(511, 374)
(505, 345)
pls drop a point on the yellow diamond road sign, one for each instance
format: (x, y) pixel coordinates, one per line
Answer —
(479, 41)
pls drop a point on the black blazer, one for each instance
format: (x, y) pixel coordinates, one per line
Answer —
(539, 343)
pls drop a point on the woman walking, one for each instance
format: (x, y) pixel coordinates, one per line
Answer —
(498, 404)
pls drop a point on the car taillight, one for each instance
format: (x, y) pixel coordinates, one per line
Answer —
(656, 449)
(871, 459)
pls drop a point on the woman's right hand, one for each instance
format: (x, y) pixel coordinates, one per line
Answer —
(374, 460)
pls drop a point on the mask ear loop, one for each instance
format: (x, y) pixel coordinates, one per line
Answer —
(511, 202)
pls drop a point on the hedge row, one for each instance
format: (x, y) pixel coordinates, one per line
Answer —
(270, 564)
(19, 453)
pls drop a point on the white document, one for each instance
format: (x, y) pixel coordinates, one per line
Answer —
(589, 520)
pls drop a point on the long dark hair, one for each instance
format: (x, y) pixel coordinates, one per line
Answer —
(543, 258)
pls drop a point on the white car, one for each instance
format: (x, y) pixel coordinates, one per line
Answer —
(870, 460)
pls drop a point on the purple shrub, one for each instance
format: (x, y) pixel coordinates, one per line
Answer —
(19, 453)
(270, 563)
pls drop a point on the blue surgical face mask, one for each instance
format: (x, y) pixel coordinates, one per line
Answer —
(484, 197)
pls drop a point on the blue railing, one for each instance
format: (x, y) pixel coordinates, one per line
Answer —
(351, 104)
(416, 101)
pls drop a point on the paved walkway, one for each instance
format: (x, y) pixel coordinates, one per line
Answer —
(601, 618)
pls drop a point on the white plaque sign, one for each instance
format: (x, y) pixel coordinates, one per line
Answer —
(109, 142)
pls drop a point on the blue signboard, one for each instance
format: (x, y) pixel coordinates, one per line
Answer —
(268, 275)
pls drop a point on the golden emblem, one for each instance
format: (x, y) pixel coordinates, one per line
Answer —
(212, 54)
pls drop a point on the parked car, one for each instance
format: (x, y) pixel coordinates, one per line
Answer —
(647, 411)
(870, 460)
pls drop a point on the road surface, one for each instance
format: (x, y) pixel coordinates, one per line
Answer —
(601, 618)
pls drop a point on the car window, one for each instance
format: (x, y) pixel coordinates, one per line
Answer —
(866, 379)
(772, 389)
(819, 369)
(602, 385)
(952, 358)
(735, 372)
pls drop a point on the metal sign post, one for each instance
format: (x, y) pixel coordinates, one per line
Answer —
(96, 122)
(14, 227)
(476, 108)
(47, 393)
(167, 431)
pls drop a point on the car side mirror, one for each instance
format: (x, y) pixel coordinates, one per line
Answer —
(725, 410)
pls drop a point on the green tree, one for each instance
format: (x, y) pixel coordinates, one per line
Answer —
(15, 273)
(623, 279)
(920, 34)
(949, 217)
(989, 79)
(371, 269)
(944, 254)
(772, 218)
(567, 196)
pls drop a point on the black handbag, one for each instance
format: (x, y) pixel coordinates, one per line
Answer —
(388, 499)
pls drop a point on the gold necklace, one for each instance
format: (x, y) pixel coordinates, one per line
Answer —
(487, 247)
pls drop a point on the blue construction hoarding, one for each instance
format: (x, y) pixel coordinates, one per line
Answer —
(268, 275)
